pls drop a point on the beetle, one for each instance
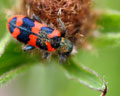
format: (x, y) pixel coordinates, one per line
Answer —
(35, 34)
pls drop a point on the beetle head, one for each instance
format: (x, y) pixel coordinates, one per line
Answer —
(65, 47)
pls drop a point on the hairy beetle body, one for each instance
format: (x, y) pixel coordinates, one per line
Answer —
(35, 34)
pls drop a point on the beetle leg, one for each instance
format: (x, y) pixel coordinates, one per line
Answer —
(61, 23)
(29, 47)
(36, 18)
(62, 58)
(45, 55)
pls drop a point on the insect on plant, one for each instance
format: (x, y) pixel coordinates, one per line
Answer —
(35, 34)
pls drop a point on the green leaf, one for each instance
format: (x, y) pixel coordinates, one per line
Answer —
(12, 73)
(14, 61)
(109, 21)
(106, 40)
(108, 34)
(3, 43)
(84, 75)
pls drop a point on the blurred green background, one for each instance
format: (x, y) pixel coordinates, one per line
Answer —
(49, 80)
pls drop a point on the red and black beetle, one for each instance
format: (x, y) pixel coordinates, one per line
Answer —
(35, 34)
